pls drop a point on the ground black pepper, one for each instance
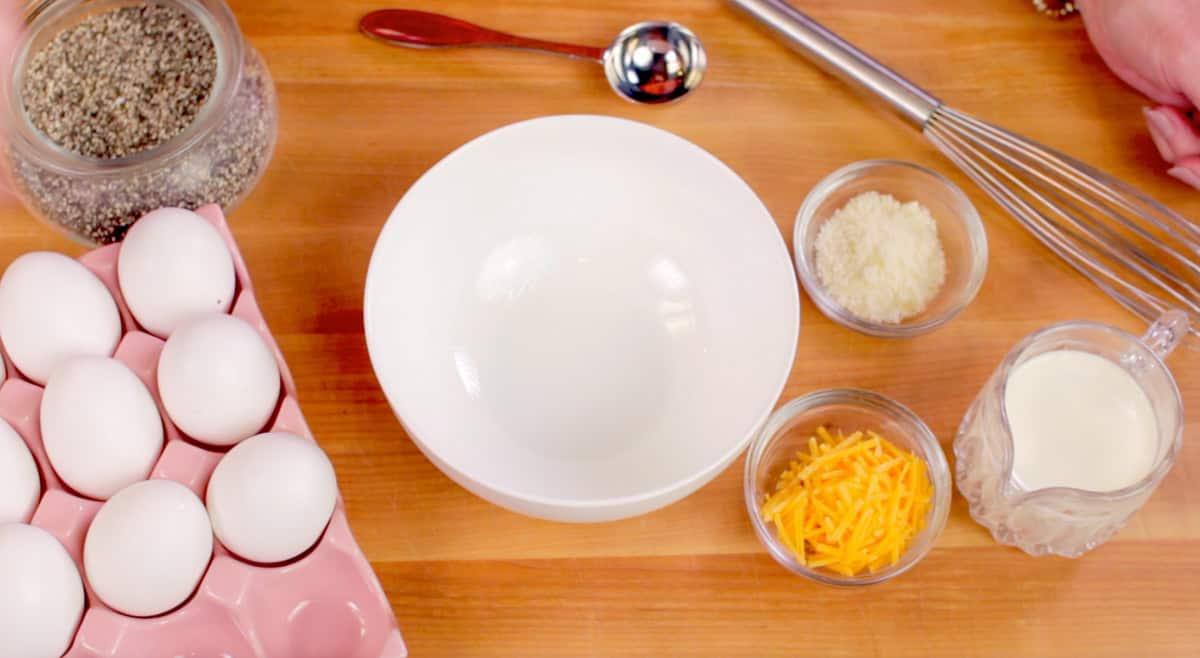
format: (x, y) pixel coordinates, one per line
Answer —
(122, 165)
(122, 81)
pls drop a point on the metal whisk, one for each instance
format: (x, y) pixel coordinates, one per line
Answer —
(1137, 250)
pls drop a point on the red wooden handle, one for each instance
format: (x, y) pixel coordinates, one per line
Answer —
(421, 28)
(409, 27)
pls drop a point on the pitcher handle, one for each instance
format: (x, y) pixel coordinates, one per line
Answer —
(1166, 333)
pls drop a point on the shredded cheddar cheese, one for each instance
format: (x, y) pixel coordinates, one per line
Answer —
(849, 503)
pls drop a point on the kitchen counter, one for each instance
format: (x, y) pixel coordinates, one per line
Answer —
(361, 121)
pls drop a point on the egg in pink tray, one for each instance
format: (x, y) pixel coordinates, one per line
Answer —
(160, 491)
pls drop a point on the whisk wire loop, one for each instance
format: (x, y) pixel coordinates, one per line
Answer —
(1133, 248)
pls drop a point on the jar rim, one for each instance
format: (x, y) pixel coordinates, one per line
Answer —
(49, 17)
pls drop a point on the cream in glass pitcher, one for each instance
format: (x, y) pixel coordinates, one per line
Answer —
(1071, 435)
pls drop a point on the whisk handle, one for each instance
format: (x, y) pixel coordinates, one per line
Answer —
(842, 59)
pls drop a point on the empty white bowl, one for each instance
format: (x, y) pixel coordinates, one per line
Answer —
(581, 318)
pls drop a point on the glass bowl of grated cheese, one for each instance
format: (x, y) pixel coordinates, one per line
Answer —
(889, 248)
(857, 524)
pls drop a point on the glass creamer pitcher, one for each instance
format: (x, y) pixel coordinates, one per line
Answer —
(1062, 520)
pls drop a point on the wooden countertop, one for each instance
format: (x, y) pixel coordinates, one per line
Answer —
(360, 122)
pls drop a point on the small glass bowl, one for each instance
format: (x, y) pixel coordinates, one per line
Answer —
(787, 431)
(959, 229)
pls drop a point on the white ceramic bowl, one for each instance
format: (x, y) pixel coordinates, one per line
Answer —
(581, 318)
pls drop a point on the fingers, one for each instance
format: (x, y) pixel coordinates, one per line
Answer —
(1174, 134)
(10, 30)
(1177, 140)
(1188, 171)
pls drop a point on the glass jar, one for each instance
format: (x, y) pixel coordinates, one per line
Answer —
(217, 158)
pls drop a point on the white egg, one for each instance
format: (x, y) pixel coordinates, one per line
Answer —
(148, 548)
(53, 308)
(41, 595)
(20, 482)
(218, 379)
(271, 497)
(100, 426)
(173, 266)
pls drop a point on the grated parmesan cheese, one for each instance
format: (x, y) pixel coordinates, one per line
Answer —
(881, 259)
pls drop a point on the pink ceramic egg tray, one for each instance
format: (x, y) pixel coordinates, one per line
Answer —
(327, 603)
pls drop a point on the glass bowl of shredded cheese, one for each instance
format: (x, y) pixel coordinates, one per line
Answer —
(889, 248)
(847, 487)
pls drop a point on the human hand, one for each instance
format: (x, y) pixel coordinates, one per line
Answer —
(1154, 46)
(10, 29)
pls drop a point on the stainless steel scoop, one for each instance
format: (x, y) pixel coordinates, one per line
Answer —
(650, 62)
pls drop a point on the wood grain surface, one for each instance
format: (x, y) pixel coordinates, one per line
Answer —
(360, 123)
